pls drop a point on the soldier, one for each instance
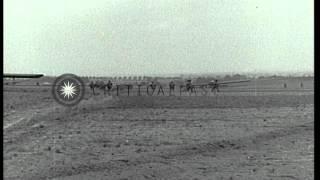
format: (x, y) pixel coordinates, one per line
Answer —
(171, 86)
(109, 86)
(215, 86)
(160, 90)
(189, 87)
(92, 86)
(153, 86)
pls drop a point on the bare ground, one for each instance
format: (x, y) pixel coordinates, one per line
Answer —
(225, 137)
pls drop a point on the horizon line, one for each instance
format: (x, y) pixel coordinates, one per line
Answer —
(285, 73)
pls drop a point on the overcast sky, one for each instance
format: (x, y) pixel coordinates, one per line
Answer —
(118, 37)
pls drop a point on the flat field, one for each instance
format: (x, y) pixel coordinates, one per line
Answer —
(258, 131)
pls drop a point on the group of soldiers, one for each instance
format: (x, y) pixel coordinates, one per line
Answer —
(151, 87)
(101, 85)
(214, 85)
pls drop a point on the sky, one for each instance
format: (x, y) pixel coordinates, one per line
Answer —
(143, 37)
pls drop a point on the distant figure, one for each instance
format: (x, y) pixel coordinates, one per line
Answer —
(301, 85)
(92, 86)
(285, 85)
(189, 87)
(109, 86)
(215, 86)
(160, 90)
(171, 86)
(38, 84)
(153, 86)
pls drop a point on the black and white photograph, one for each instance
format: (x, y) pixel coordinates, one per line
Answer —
(158, 90)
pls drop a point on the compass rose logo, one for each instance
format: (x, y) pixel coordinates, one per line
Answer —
(68, 89)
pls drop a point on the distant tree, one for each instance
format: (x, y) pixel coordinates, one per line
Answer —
(238, 76)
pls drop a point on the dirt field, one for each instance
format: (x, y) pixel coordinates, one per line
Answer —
(235, 135)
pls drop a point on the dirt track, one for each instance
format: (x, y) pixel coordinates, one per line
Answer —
(224, 137)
